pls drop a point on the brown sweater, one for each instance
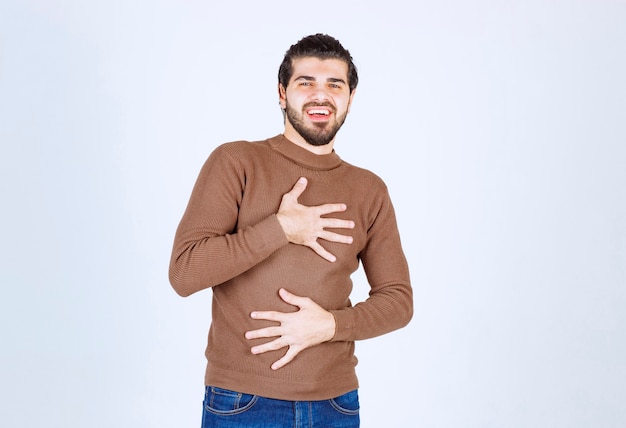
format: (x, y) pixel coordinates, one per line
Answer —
(229, 239)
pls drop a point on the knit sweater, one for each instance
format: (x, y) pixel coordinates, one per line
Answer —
(229, 239)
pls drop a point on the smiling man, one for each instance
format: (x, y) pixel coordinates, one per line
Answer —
(275, 228)
(316, 102)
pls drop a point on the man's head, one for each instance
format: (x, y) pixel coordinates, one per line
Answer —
(321, 46)
(316, 83)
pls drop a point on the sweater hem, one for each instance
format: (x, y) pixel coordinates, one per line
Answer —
(279, 388)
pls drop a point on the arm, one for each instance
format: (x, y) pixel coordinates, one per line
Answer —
(390, 302)
(208, 250)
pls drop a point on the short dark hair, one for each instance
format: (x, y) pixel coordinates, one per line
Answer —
(320, 46)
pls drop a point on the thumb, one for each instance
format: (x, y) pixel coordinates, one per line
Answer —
(298, 188)
(292, 299)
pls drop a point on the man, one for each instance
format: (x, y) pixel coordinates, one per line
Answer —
(276, 228)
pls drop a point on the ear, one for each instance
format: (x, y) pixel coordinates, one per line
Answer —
(282, 96)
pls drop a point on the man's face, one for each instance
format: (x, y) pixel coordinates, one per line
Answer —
(317, 99)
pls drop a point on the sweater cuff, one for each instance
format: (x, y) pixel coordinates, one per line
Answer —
(344, 325)
(273, 235)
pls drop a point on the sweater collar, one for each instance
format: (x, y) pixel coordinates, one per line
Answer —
(302, 156)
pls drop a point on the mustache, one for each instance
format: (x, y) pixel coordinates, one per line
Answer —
(318, 104)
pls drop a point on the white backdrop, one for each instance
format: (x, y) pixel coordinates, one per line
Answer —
(499, 127)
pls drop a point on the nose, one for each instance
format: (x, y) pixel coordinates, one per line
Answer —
(320, 94)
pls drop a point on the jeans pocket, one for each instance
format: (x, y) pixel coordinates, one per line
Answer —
(348, 403)
(226, 402)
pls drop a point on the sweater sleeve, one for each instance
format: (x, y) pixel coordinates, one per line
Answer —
(208, 249)
(390, 302)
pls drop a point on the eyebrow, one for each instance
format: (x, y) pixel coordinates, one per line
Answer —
(311, 78)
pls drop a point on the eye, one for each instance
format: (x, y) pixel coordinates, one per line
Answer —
(304, 83)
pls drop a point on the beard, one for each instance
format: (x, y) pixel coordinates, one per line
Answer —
(316, 134)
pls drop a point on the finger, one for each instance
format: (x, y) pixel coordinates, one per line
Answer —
(321, 251)
(267, 315)
(263, 332)
(330, 208)
(336, 223)
(286, 359)
(336, 237)
(269, 346)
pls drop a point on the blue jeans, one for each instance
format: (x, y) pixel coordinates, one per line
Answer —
(230, 409)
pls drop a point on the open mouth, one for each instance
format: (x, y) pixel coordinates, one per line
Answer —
(319, 112)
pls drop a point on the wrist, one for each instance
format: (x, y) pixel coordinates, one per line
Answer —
(331, 328)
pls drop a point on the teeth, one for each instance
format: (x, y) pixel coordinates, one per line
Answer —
(324, 112)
